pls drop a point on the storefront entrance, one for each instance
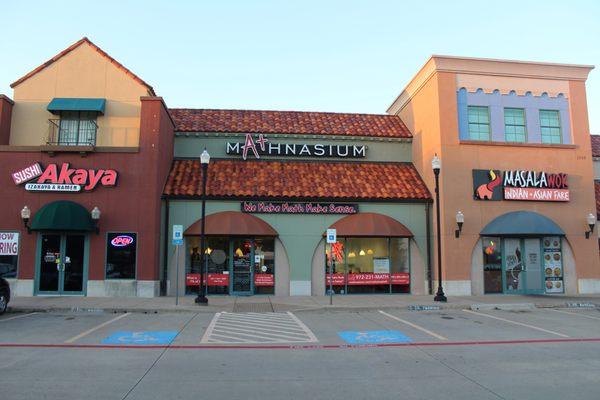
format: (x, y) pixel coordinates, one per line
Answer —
(62, 264)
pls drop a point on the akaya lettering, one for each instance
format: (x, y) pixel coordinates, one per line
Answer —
(87, 178)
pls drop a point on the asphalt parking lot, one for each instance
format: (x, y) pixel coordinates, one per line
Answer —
(526, 354)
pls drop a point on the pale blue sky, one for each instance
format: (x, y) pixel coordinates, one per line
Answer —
(345, 56)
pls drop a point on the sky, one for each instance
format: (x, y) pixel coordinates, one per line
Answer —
(340, 56)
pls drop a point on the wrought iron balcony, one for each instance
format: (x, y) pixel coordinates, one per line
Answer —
(72, 132)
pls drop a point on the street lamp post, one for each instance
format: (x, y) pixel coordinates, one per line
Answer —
(204, 160)
(436, 164)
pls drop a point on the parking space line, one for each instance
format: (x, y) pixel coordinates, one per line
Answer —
(309, 333)
(420, 328)
(102, 325)
(537, 328)
(579, 315)
(210, 328)
(17, 316)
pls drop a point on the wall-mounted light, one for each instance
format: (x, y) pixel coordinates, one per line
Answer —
(591, 220)
(460, 220)
(25, 215)
(96, 217)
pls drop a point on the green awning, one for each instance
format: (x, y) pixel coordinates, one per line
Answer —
(62, 215)
(522, 223)
(73, 104)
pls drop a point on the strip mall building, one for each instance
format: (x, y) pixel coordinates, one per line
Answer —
(95, 171)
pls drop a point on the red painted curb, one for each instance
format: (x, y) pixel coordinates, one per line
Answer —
(294, 347)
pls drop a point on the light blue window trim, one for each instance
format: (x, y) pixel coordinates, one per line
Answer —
(479, 122)
(515, 129)
(497, 102)
(550, 126)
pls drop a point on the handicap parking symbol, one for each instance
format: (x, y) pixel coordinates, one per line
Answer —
(141, 338)
(374, 337)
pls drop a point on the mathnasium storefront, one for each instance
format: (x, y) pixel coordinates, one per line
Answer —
(268, 209)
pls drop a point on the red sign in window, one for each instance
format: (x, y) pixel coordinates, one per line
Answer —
(401, 278)
(213, 280)
(264, 280)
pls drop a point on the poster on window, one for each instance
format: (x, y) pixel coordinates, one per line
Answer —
(368, 278)
(381, 265)
(553, 267)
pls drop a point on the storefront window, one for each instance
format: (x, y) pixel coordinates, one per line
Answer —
(9, 254)
(121, 253)
(370, 265)
(217, 265)
(492, 265)
(264, 266)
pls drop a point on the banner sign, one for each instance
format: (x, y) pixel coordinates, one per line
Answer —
(9, 243)
(223, 280)
(362, 279)
(64, 178)
(269, 207)
(520, 185)
(264, 147)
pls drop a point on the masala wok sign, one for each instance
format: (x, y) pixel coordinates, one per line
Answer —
(63, 178)
(520, 185)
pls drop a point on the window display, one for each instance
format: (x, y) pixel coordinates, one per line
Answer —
(9, 254)
(492, 265)
(553, 268)
(369, 265)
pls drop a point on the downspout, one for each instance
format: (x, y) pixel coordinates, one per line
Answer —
(428, 233)
(163, 282)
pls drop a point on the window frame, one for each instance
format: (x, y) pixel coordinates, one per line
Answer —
(560, 130)
(514, 125)
(18, 252)
(76, 121)
(489, 123)
(106, 278)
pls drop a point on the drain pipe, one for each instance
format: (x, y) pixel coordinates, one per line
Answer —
(428, 233)
(165, 274)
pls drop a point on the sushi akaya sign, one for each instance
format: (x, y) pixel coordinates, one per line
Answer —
(520, 185)
(63, 178)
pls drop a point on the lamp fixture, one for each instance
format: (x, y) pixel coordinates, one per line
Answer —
(369, 251)
(436, 164)
(351, 254)
(460, 220)
(25, 215)
(591, 220)
(361, 252)
(208, 250)
(96, 217)
(239, 252)
(204, 157)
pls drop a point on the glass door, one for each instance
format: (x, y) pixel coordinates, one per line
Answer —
(534, 280)
(513, 266)
(62, 264)
(242, 281)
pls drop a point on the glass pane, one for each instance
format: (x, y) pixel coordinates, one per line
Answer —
(216, 264)
(73, 263)
(368, 265)
(242, 274)
(121, 252)
(513, 264)
(264, 266)
(49, 263)
(400, 266)
(9, 253)
(492, 265)
(533, 266)
(339, 266)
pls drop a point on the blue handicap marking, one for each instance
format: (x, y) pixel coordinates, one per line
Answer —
(141, 337)
(372, 337)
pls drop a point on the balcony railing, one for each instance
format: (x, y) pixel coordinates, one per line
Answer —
(72, 132)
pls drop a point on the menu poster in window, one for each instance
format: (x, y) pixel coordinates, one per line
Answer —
(553, 271)
(381, 265)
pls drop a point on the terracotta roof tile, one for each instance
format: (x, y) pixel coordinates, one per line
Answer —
(73, 47)
(298, 180)
(291, 122)
(595, 145)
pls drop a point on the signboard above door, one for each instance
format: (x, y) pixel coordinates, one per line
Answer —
(522, 185)
(269, 207)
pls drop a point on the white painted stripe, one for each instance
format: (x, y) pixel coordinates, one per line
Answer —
(239, 340)
(240, 331)
(17, 316)
(257, 324)
(102, 325)
(210, 328)
(262, 320)
(537, 328)
(420, 328)
(310, 334)
(258, 337)
(577, 314)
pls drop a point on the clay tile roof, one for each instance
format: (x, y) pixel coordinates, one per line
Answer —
(597, 188)
(291, 122)
(73, 47)
(297, 180)
(595, 145)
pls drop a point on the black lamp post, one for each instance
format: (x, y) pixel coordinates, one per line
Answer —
(436, 164)
(204, 160)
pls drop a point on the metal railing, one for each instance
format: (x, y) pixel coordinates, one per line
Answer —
(72, 132)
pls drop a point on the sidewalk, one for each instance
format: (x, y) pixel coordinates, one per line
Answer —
(296, 303)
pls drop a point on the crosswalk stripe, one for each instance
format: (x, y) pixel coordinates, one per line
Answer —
(257, 332)
(256, 324)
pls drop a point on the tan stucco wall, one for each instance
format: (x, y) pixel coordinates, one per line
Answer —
(82, 73)
(431, 114)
